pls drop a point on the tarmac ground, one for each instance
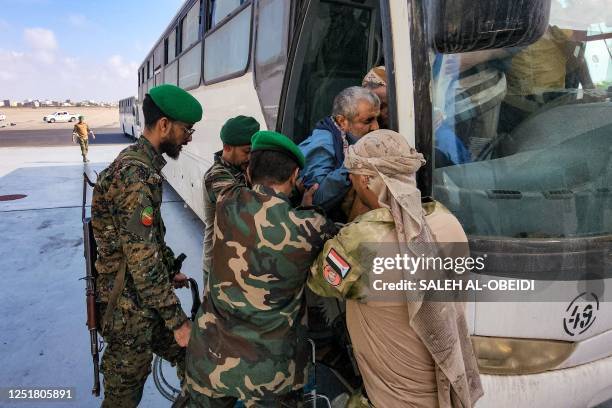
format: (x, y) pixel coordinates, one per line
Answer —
(57, 137)
(44, 341)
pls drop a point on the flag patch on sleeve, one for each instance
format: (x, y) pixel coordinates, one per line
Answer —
(146, 216)
(339, 264)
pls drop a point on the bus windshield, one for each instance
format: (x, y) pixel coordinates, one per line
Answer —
(522, 136)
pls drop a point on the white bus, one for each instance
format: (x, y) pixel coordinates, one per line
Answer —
(129, 117)
(509, 102)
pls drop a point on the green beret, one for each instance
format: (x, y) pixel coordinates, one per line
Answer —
(269, 140)
(176, 103)
(81, 117)
(239, 130)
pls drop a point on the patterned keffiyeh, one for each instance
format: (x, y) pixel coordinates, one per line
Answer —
(377, 75)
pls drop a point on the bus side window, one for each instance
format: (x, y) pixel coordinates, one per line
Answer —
(222, 8)
(170, 73)
(171, 68)
(190, 27)
(190, 61)
(272, 26)
(172, 45)
(158, 56)
(231, 40)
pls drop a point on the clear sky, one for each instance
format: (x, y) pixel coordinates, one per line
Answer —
(77, 49)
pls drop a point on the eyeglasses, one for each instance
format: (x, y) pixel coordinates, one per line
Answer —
(188, 131)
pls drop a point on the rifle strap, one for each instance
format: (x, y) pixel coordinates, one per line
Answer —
(118, 286)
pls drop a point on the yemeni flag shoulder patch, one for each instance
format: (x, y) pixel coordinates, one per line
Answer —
(146, 216)
(338, 263)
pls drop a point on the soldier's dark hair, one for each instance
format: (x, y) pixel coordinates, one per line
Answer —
(270, 166)
(151, 112)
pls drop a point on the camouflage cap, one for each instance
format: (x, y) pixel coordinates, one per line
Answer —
(176, 103)
(269, 140)
(239, 130)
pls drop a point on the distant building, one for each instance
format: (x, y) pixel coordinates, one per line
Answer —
(6, 103)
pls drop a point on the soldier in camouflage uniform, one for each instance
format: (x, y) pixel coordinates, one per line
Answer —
(140, 313)
(228, 169)
(249, 338)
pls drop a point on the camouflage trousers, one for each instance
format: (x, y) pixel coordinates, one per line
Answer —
(131, 339)
(198, 400)
(84, 143)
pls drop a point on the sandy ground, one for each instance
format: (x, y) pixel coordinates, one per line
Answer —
(32, 118)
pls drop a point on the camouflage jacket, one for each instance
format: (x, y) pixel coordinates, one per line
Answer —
(127, 224)
(220, 176)
(249, 334)
(343, 268)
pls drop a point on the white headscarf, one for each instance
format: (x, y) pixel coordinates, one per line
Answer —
(388, 159)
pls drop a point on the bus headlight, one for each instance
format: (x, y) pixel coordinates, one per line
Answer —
(506, 356)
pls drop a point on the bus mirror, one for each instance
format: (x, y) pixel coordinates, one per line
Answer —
(468, 25)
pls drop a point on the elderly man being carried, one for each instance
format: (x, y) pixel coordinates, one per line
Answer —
(354, 114)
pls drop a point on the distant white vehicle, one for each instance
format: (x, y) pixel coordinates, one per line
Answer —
(2, 116)
(61, 116)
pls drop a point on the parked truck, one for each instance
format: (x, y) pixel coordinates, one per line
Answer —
(61, 116)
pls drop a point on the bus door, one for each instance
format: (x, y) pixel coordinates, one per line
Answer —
(335, 44)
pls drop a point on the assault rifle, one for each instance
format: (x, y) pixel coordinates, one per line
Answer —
(90, 293)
